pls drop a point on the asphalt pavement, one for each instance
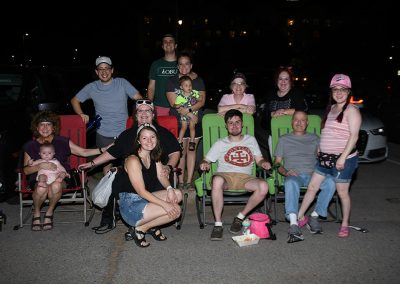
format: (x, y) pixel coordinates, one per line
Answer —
(73, 253)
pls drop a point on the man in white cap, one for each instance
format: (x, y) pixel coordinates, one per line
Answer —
(109, 96)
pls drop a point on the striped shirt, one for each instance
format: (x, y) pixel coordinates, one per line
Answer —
(334, 135)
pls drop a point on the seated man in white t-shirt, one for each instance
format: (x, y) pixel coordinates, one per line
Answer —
(235, 155)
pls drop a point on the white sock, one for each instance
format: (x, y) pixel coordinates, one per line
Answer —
(240, 216)
(218, 224)
(293, 219)
(314, 214)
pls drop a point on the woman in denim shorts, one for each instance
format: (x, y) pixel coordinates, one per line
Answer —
(338, 156)
(142, 205)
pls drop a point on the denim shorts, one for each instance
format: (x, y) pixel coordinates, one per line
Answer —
(343, 176)
(131, 207)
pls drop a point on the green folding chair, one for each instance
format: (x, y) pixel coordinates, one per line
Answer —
(279, 126)
(214, 129)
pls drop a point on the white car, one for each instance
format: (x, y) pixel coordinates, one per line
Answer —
(371, 144)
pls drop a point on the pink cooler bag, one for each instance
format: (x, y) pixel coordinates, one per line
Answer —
(260, 225)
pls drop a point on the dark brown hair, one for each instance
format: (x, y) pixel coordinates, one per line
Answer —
(156, 153)
(45, 116)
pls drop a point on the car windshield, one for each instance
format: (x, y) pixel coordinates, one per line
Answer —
(10, 88)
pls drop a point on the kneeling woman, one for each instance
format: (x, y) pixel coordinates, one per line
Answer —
(146, 197)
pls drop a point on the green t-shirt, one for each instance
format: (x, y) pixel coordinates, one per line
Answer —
(160, 71)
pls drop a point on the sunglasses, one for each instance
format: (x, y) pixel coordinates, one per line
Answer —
(144, 102)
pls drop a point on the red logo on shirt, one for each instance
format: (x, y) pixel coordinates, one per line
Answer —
(239, 156)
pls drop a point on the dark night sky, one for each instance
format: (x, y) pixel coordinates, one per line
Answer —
(361, 36)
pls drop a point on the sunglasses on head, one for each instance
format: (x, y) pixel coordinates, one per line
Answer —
(145, 102)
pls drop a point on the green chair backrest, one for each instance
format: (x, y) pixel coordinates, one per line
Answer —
(282, 125)
(213, 129)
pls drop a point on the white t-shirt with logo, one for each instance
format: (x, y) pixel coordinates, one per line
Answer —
(234, 157)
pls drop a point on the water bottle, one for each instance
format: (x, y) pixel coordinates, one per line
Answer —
(94, 123)
(246, 227)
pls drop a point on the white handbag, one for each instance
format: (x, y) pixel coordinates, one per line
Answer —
(101, 193)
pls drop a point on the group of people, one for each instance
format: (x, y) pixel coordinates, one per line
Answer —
(150, 152)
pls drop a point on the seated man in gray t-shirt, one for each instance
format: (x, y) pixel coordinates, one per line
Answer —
(298, 150)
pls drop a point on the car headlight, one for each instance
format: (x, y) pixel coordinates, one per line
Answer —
(378, 131)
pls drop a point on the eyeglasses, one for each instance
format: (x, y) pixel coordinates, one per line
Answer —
(239, 84)
(144, 102)
(342, 90)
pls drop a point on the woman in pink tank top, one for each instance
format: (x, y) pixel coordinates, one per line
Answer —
(339, 136)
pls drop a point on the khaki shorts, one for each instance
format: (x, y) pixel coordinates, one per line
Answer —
(235, 180)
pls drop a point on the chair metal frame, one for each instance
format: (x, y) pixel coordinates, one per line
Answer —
(213, 129)
(283, 125)
(73, 127)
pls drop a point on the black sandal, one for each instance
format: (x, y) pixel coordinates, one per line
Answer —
(36, 225)
(192, 146)
(49, 225)
(157, 234)
(139, 238)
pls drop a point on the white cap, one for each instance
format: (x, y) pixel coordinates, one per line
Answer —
(103, 59)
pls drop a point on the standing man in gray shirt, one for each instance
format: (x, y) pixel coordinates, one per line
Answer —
(298, 150)
(110, 98)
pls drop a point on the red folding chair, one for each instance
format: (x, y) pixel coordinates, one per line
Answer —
(78, 197)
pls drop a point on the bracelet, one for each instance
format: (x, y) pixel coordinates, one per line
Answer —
(101, 151)
(80, 113)
(92, 163)
(169, 187)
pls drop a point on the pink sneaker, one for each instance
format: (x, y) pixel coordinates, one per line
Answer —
(302, 222)
(343, 232)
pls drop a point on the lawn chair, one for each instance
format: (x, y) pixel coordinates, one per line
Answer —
(213, 129)
(77, 197)
(279, 126)
(169, 122)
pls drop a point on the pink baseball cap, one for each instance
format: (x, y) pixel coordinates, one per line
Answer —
(340, 80)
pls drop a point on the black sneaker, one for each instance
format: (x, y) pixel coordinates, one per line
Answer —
(294, 234)
(314, 226)
(217, 233)
(236, 226)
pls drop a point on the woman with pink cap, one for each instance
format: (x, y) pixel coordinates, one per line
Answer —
(338, 156)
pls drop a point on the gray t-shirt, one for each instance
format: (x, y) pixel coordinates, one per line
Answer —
(110, 102)
(299, 152)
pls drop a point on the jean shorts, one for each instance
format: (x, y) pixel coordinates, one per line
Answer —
(343, 176)
(131, 207)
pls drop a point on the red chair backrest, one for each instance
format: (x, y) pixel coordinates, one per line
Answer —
(72, 126)
(169, 122)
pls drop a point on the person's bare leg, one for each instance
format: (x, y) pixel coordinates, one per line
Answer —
(182, 161)
(54, 195)
(217, 196)
(260, 190)
(343, 192)
(191, 162)
(312, 189)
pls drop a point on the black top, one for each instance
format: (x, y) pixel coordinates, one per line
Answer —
(293, 99)
(122, 183)
(123, 146)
